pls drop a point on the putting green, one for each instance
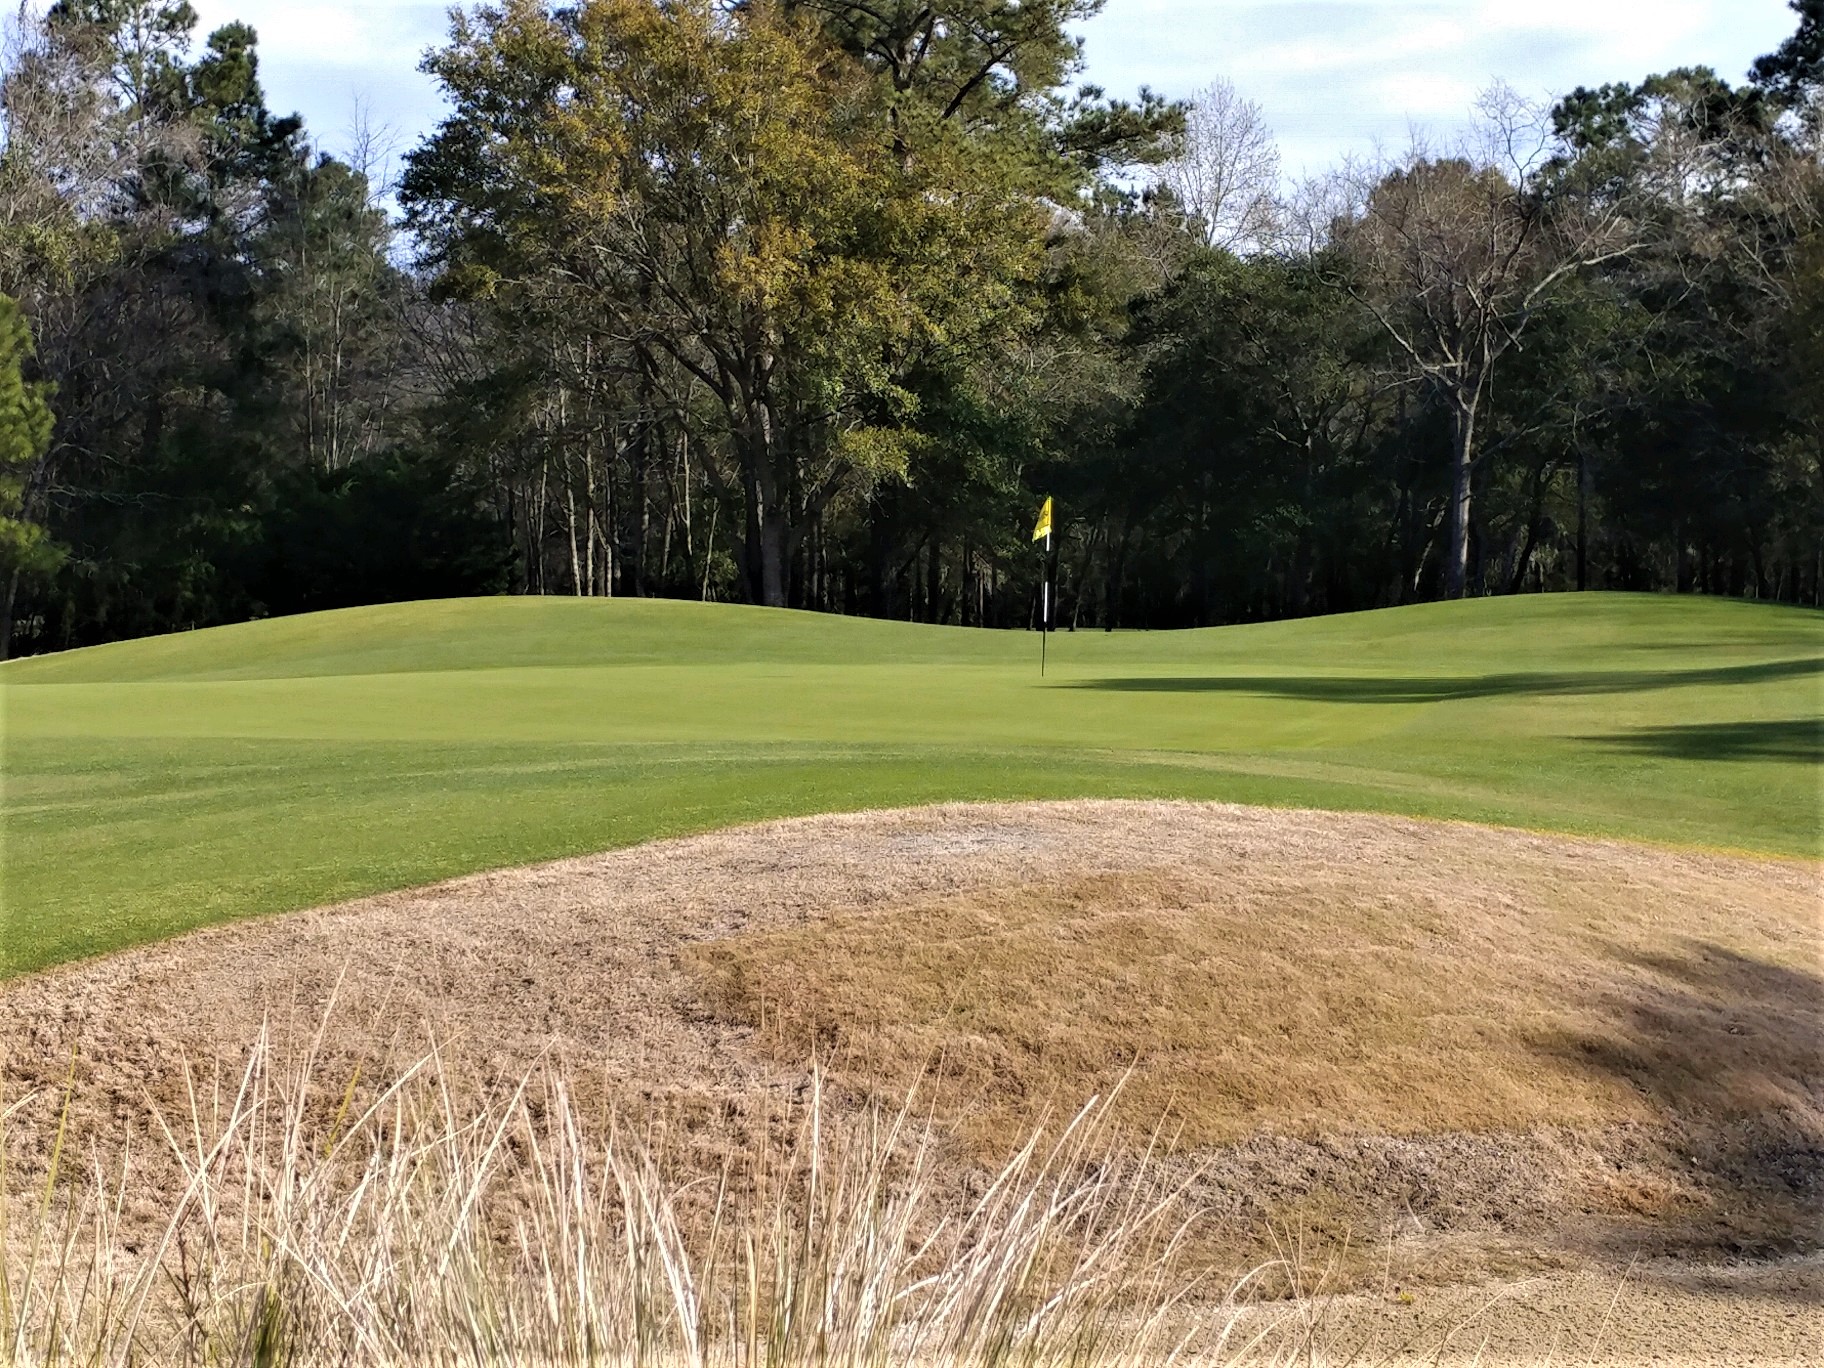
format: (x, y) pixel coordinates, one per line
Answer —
(152, 786)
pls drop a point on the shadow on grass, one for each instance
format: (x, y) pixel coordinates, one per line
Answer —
(1800, 741)
(1730, 1050)
(1415, 689)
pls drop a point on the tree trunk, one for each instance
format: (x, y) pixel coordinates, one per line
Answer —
(537, 548)
(1523, 561)
(934, 580)
(878, 553)
(748, 548)
(1583, 521)
(1117, 566)
(634, 563)
(775, 555)
(576, 562)
(1456, 551)
(769, 527)
(6, 615)
(709, 547)
(686, 478)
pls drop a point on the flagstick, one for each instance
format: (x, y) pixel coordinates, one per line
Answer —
(1044, 603)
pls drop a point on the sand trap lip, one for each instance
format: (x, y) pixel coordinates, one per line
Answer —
(1655, 1313)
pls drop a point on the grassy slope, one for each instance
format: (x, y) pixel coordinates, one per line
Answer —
(156, 785)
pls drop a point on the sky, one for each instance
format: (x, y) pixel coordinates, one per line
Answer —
(1332, 76)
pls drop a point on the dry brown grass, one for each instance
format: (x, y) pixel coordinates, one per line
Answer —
(407, 1228)
(1377, 998)
(1463, 1050)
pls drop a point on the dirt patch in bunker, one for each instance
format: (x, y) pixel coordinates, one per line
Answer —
(1460, 1052)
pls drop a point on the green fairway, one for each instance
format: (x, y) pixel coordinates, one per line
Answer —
(157, 785)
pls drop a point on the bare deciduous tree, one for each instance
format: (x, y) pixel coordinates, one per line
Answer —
(1455, 255)
(1226, 174)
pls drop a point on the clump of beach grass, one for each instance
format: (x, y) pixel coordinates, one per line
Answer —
(415, 1220)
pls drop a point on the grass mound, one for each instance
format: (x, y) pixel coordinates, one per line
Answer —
(154, 786)
(1405, 997)
(1482, 1051)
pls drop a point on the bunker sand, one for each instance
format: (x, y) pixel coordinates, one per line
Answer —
(1451, 1053)
(1769, 1315)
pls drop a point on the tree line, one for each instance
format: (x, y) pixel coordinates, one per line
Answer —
(811, 302)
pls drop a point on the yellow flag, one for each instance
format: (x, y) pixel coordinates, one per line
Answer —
(1043, 530)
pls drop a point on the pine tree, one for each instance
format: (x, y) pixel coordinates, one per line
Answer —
(25, 436)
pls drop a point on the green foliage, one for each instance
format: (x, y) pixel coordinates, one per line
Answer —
(138, 43)
(810, 302)
(1695, 383)
(25, 436)
(721, 193)
(387, 529)
(1260, 435)
(1097, 133)
(1000, 71)
(219, 306)
(1796, 70)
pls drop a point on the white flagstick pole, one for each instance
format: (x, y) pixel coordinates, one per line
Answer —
(1045, 603)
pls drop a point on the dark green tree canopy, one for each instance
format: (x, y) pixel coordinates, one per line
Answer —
(812, 302)
(1796, 70)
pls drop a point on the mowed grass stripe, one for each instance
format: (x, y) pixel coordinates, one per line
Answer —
(157, 785)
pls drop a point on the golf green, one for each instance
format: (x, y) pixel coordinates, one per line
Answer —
(152, 786)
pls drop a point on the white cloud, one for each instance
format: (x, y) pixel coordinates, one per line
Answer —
(1333, 75)
(1338, 76)
(328, 59)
